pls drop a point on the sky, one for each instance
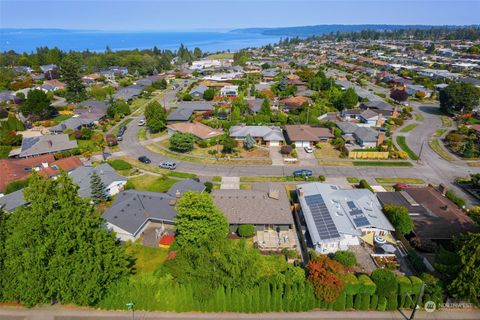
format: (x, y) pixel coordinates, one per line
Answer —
(123, 15)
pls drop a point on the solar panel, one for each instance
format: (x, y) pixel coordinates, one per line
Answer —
(321, 216)
(361, 221)
(354, 210)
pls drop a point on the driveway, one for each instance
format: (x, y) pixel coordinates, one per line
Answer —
(276, 156)
(306, 159)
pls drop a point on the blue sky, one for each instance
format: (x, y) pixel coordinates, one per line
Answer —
(228, 14)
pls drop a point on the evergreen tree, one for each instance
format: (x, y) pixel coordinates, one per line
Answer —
(70, 70)
(66, 255)
(265, 108)
(156, 117)
(97, 188)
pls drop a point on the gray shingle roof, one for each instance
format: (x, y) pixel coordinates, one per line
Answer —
(46, 144)
(72, 123)
(132, 209)
(253, 207)
(12, 200)
(180, 114)
(81, 176)
(186, 185)
(267, 133)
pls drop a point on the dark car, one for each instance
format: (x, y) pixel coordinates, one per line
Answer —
(144, 159)
(121, 130)
(302, 173)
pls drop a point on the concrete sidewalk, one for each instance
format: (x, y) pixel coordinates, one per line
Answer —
(72, 313)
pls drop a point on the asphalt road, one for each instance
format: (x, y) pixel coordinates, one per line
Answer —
(64, 313)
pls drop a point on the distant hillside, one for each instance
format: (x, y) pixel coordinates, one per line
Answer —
(306, 31)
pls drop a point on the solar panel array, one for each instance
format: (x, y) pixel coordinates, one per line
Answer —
(354, 210)
(361, 222)
(323, 221)
(358, 218)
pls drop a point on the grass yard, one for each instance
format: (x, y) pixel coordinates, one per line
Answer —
(245, 186)
(4, 151)
(182, 175)
(225, 55)
(61, 118)
(87, 146)
(408, 128)
(353, 180)
(333, 163)
(148, 182)
(142, 134)
(435, 145)
(326, 152)
(402, 142)
(147, 259)
(382, 164)
(217, 179)
(446, 121)
(399, 180)
(440, 132)
(137, 103)
(419, 117)
(263, 179)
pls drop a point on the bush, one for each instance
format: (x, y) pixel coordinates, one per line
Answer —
(111, 140)
(363, 184)
(452, 196)
(321, 178)
(119, 164)
(16, 185)
(404, 285)
(374, 302)
(182, 142)
(203, 144)
(346, 258)
(367, 286)
(399, 217)
(286, 150)
(416, 261)
(386, 282)
(246, 230)
(208, 186)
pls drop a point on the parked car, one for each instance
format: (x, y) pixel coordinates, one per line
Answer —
(121, 130)
(303, 173)
(308, 149)
(168, 165)
(141, 122)
(144, 159)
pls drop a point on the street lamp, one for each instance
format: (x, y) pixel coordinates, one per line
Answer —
(131, 306)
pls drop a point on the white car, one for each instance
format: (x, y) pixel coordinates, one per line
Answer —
(308, 149)
(141, 122)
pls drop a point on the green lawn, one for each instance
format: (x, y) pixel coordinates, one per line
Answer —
(263, 179)
(61, 118)
(148, 182)
(399, 180)
(439, 132)
(352, 180)
(217, 179)
(147, 259)
(408, 128)
(182, 175)
(419, 117)
(142, 134)
(446, 121)
(435, 145)
(402, 142)
(382, 164)
(87, 146)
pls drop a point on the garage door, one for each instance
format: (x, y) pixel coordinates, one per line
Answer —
(301, 144)
(274, 143)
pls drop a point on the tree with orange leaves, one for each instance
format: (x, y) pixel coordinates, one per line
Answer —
(325, 276)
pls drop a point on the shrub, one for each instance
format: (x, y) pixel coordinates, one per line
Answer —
(363, 184)
(111, 140)
(208, 186)
(16, 185)
(182, 142)
(286, 150)
(399, 217)
(119, 164)
(452, 196)
(346, 258)
(416, 261)
(404, 285)
(321, 178)
(367, 286)
(246, 230)
(203, 144)
(386, 282)
(382, 304)
(374, 302)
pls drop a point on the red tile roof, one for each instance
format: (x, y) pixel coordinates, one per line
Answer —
(13, 169)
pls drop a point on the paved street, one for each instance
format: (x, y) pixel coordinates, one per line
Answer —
(64, 313)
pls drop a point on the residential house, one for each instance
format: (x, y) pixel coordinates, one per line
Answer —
(112, 181)
(306, 136)
(366, 117)
(199, 130)
(268, 135)
(362, 137)
(9, 97)
(87, 114)
(254, 105)
(295, 102)
(269, 74)
(128, 93)
(198, 91)
(337, 218)
(49, 144)
(266, 210)
(186, 109)
(436, 219)
(229, 91)
(132, 211)
(413, 89)
(12, 201)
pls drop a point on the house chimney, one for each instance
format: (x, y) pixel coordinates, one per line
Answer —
(379, 120)
(381, 138)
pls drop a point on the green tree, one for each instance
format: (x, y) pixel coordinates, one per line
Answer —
(198, 220)
(265, 108)
(156, 117)
(37, 105)
(466, 284)
(98, 188)
(182, 142)
(349, 99)
(66, 254)
(70, 70)
(459, 98)
(399, 218)
(229, 144)
(249, 142)
(209, 94)
(431, 49)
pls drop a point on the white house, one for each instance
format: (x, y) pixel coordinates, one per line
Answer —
(229, 91)
(205, 64)
(337, 218)
(112, 181)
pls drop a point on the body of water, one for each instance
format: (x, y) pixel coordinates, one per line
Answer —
(27, 40)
